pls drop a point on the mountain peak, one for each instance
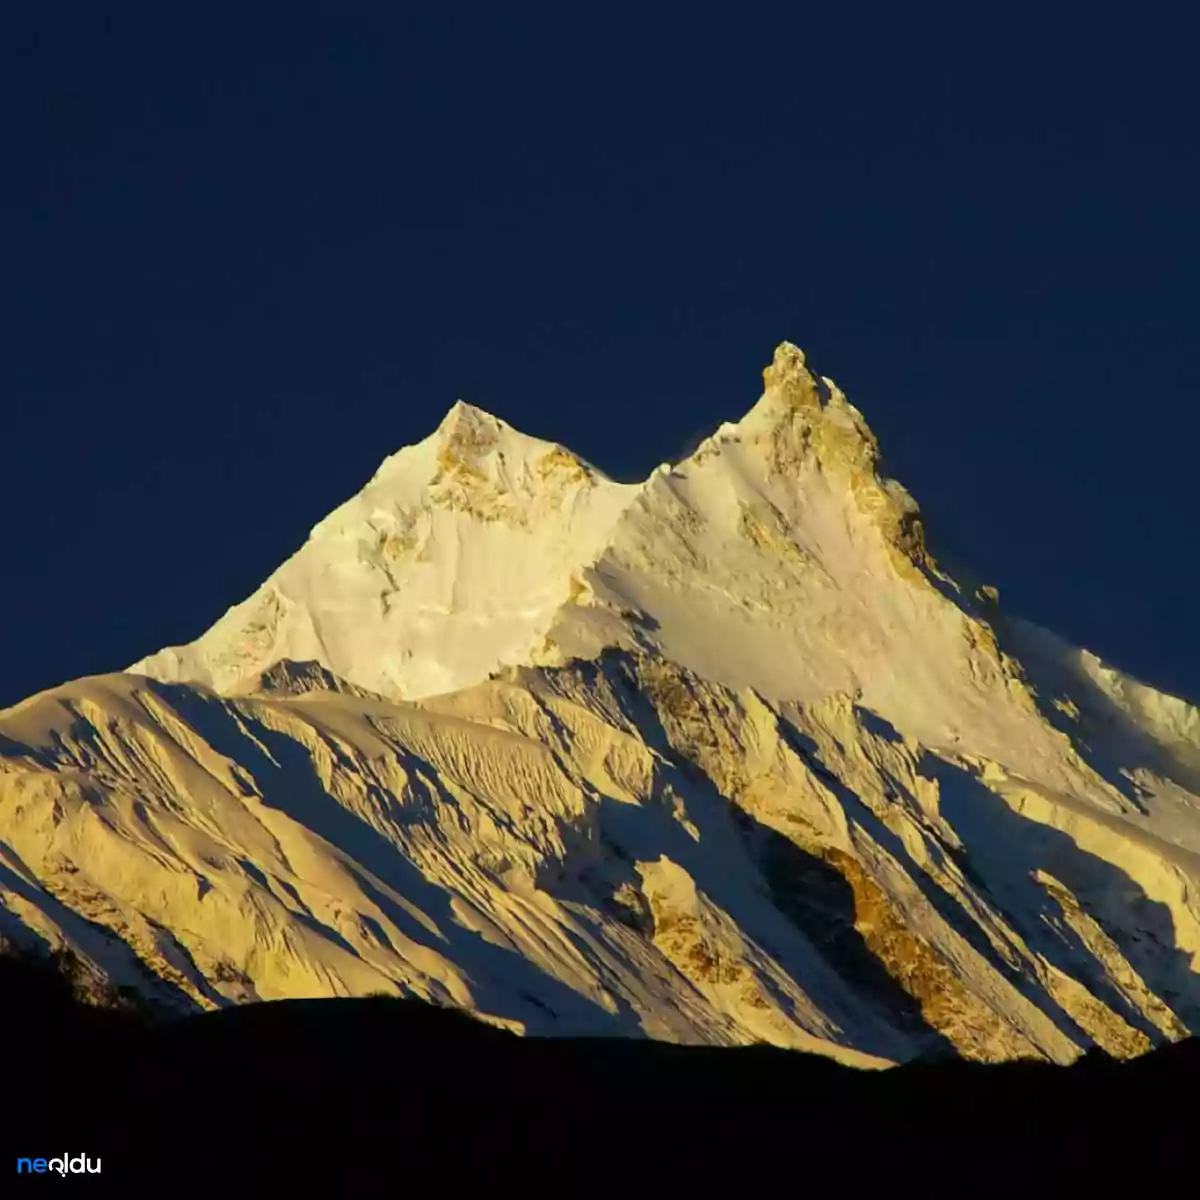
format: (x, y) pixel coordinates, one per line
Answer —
(802, 417)
(462, 415)
(468, 433)
(789, 378)
(468, 549)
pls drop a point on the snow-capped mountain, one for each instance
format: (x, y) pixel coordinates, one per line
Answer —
(723, 756)
(453, 559)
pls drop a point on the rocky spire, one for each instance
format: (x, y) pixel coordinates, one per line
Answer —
(789, 380)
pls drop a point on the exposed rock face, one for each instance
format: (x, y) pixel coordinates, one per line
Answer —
(722, 757)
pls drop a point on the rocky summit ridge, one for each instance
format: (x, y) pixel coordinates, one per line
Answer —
(720, 757)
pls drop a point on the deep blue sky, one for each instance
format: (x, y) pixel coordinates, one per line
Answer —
(250, 253)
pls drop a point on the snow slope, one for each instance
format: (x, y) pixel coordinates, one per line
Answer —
(725, 756)
(452, 559)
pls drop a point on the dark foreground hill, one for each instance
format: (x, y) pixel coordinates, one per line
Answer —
(378, 1096)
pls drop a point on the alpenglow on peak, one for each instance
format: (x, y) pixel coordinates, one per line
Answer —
(721, 756)
(481, 546)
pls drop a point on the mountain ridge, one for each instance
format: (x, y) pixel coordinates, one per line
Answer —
(720, 757)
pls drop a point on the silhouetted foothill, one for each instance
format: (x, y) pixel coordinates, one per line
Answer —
(285, 1090)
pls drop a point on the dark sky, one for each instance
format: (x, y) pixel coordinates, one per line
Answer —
(249, 253)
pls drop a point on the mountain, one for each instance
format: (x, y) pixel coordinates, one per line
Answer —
(728, 756)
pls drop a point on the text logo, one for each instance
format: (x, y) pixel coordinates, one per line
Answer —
(64, 1164)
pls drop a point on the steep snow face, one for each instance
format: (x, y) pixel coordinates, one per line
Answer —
(614, 847)
(452, 560)
(777, 557)
(218, 851)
